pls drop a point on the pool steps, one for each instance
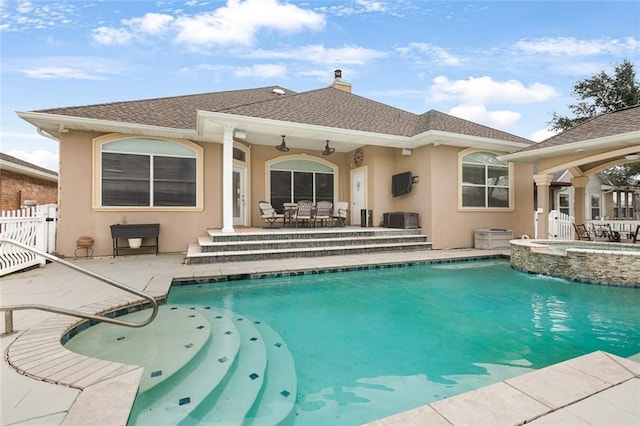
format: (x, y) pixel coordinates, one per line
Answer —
(244, 375)
(291, 243)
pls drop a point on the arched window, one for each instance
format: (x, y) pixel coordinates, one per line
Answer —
(295, 179)
(485, 181)
(145, 172)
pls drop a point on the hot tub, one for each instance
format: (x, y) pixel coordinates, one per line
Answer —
(591, 262)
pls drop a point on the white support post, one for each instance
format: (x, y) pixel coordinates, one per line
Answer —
(227, 180)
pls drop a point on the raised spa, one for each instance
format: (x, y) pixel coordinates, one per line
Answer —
(587, 261)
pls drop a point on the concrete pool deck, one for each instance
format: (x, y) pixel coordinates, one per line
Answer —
(595, 389)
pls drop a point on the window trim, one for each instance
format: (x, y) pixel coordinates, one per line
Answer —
(279, 159)
(96, 196)
(510, 166)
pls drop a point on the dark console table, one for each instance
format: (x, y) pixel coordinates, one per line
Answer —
(147, 231)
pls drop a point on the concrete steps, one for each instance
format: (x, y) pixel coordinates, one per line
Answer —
(244, 374)
(291, 243)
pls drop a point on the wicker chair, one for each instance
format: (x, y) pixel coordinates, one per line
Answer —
(269, 214)
(322, 213)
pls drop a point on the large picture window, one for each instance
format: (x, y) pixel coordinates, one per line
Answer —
(485, 181)
(142, 172)
(295, 180)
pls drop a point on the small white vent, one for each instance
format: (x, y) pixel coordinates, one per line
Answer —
(278, 91)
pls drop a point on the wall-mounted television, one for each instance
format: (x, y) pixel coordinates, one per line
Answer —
(401, 184)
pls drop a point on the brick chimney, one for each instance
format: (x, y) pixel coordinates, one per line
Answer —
(339, 84)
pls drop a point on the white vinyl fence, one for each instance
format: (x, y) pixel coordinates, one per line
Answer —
(560, 226)
(33, 226)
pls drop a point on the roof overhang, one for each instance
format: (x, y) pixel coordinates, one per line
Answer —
(583, 157)
(307, 136)
(27, 171)
(260, 131)
(56, 125)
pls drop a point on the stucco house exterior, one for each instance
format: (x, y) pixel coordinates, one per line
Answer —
(203, 161)
(25, 184)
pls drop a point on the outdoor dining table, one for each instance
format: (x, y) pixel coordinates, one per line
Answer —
(289, 211)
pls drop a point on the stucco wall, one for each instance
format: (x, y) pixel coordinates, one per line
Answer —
(77, 216)
(16, 188)
(261, 154)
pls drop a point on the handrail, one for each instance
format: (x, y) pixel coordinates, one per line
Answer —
(8, 310)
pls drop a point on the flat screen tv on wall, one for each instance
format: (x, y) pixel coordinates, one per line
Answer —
(401, 184)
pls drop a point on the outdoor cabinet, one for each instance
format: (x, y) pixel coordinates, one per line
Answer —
(147, 231)
(493, 238)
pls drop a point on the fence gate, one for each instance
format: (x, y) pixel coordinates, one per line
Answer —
(560, 225)
(33, 226)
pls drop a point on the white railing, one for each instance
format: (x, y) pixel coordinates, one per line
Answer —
(32, 226)
(560, 226)
(624, 227)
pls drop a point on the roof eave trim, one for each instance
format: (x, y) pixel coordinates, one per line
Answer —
(54, 121)
(239, 121)
(570, 148)
(17, 168)
(439, 137)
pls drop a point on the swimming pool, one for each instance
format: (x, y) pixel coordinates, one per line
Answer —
(371, 343)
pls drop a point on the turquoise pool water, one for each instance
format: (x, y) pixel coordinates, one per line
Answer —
(372, 343)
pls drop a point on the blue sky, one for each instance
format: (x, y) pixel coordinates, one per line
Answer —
(505, 64)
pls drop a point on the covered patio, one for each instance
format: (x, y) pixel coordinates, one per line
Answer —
(589, 148)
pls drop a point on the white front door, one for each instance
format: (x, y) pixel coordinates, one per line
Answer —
(358, 193)
(239, 191)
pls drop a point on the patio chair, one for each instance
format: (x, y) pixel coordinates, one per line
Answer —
(340, 211)
(322, 212)
(269, 214)
(582, 233)
(636, 235)
(304, 213)
(604, 231)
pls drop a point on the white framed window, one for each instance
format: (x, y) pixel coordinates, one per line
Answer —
(595, 204)
(138, 172)
(293, 178)
(564, 203)
(485, 181)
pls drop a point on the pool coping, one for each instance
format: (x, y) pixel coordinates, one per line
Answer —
(108, 389)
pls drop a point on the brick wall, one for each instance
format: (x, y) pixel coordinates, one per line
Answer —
(16, 188)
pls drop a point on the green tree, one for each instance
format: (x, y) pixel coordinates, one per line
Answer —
(599, 94)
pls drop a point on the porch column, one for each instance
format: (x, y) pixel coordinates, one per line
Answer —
(227, 180)
(579, 198)
(543, 182)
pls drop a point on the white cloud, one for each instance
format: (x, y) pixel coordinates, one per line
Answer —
(479, 114)
(238, 22)
(482, 90)
(111, 36)
(151, 23)
(261, 71)
(39, 157)
(570, 46)
(67, 67)
(24, 7)
(353, 55)
(542, 134)
(57, 73)
(432, 53)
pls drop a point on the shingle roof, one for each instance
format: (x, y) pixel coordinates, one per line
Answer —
(435, 120)
(178, 112)
(626, 120)
(10, 159)
(330, 107)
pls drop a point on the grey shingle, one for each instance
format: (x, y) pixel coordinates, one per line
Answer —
(328, 107)
(618, 122)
